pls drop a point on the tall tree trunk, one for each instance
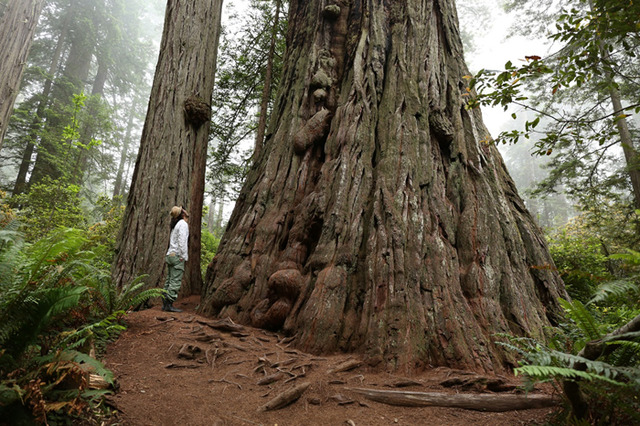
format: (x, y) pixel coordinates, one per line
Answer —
(631, 156)
(266, 89)
(20, 185)
(89, 127)
(118, 183)
(377, 222)
(175, 133)
(74, 77)
(17, 27)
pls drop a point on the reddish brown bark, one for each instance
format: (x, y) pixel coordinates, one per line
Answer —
(17, 27)
(167, 168)
(378, 221)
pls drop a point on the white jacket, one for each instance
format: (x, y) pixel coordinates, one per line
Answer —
(178, 240)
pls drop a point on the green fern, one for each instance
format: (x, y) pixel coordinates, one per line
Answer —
(617, 288)
(547, 371)
(582, 317)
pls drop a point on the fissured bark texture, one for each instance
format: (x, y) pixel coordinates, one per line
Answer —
(170, 165)
(376, 219)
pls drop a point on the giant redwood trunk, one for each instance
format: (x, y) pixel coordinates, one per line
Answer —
(175, 136)
(17, 26)
(378, 221)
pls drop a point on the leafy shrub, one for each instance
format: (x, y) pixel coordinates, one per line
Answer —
(48, 205)
(579, 257)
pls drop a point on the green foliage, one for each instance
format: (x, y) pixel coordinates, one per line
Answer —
(610, 382)
(578, 255)
(572, 93)
(208, 250)
(48, 205)
(56, 305)
(240, 75)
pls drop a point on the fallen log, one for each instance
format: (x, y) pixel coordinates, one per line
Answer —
(478, 402)
(285, 398)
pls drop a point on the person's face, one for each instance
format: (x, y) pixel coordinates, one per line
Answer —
(185, 216)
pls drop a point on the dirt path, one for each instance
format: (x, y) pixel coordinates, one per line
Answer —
(214, 381)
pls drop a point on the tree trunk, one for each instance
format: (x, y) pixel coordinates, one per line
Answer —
(21, 180)
(17, 27)
(118, 183)
(89, 127)
(377, 222)
(49, 162)
(173, 137)
(266, 90)
(631, 156)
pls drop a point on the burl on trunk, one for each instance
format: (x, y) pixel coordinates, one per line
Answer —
(377, 220)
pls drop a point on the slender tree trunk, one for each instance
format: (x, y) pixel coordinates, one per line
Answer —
(174, 139)
(377, 222)
(631, 156)
(20, 185)
(89, 129)
(17, 27)
(74, 77)
(266, 90)
(118, 183)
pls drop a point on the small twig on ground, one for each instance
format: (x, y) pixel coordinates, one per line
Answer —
(226, 381)
(163, 322)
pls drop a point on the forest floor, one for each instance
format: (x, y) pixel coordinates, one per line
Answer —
(174, 368)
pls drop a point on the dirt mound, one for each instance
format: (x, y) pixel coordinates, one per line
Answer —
(189, 370)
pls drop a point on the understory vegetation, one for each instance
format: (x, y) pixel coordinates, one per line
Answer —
(58, 310)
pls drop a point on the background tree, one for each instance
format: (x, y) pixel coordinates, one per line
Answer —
(376, 221)
(17, 27)
(586, 90)
(170, 165)
(243, 63)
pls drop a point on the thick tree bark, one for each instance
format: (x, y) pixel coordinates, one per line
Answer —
(266, 90)
(17, 27)
(377, 222)
(168, 167)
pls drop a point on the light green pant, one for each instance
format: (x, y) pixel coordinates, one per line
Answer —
(174, 277)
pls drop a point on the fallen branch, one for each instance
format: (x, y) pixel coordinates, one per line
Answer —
(226, 381)
(172, 365)
(286, 397)
(345, 366)
(223, 325)
(479, 402)
(271, 378)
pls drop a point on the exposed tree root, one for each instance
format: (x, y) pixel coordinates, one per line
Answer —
(286, 397)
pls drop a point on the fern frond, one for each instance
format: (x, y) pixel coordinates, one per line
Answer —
(617, 288)
(582, 317)
(631, 257)
(547, 372)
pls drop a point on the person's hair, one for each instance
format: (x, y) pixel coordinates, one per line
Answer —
(175, 220)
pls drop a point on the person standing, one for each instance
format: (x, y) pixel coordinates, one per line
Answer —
(176, 257)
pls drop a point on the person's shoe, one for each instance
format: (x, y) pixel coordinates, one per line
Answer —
(165, 305)
(170, 308)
